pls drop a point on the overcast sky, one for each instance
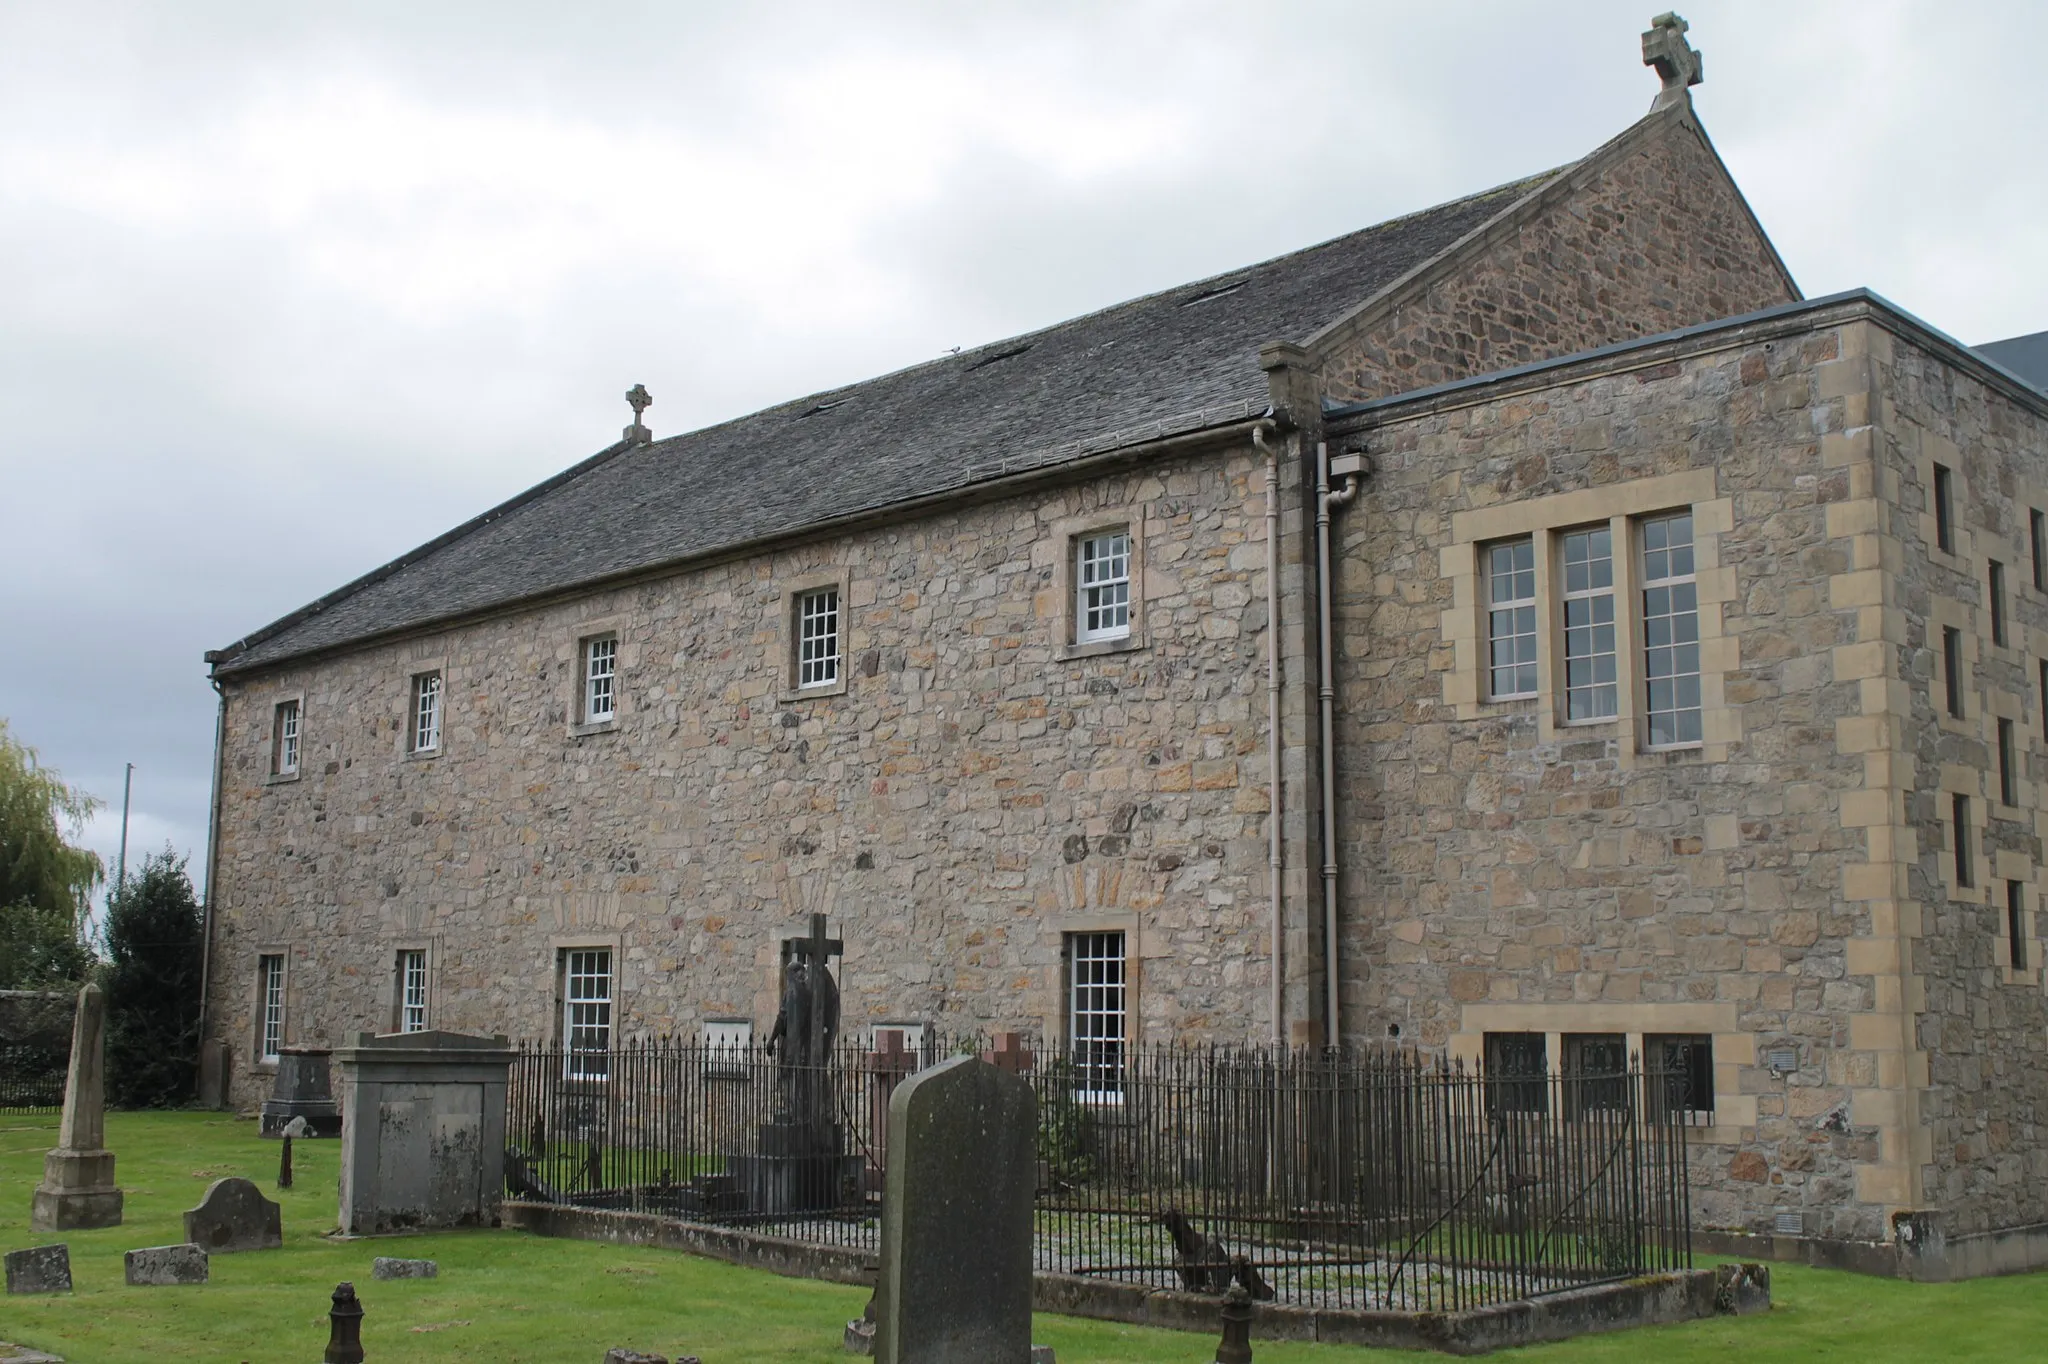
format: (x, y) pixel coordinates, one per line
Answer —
(286, 290)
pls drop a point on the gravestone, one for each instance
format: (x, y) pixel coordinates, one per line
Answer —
(955, 1282)
(304, 1089)
(234, 1215)
(423, 1139)
(164, 1266)
(385, 1267)
(39, 1269)
(78, 1190)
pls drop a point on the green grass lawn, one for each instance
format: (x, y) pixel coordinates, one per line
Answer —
(507, 1296)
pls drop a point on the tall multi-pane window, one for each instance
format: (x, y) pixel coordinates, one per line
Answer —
(1595, 1073)
(1952, 668)
(426, 713)
(1102, 587)
(1511, 619)
(270, 984)
(600, 679)
(1589, 669)
(1517, 1072)
(2008, 765)
(1671, 632)
(412, 990)
(2037, 542)
(587, 1011)
(1996, 585)
(1959, 820)
(1680, 1069)
(817, 638)
(284, 748)
(1097, 1010)
(2016, 925)
(1944, 509)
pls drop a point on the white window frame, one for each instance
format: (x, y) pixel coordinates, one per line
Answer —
(1513, 605)
(1098, 1013)
(1102, 585)
(599, 670)
(816, 628)
(428, 693)
(284, 730)
(270, 987)
(412, 989)
(1592, 594)
(589, 986)
(1670, 603)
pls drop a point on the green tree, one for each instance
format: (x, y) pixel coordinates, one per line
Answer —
(44, 879)
(154, 929)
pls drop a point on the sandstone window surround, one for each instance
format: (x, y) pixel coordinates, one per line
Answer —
(285, 743)
(423, 733)
(1623, 511)
(596, 659)
(1098, 590)
(1646, 1031)
(271, 997)
(813, 664)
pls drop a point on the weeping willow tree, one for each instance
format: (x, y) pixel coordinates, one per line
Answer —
(44, 879)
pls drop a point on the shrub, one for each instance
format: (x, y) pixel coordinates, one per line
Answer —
(154, 931)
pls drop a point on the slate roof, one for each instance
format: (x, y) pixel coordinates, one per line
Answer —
(2026, 356)
(1179, 360)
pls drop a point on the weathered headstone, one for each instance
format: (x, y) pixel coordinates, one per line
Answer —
(78, 1190)
(619, 1354)
(39, 1269)
(304, 1089)
(163, 1266)
(423, 1140)
(385, 1267)
(234, 1215)
(10, 1353)
(955, 1282)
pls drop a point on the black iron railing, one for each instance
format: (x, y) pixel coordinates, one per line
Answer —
(1378, 1180)
(32, 1076)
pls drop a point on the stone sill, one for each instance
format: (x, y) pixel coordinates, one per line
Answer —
(1131, 643)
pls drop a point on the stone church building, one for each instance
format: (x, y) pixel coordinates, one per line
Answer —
(1529, 629)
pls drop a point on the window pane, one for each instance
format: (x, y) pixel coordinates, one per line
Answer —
(587, 1011)
(426, 712)
(600, 679)
(1671, 631)
(1102, 580)
(1097, 1021)
(1511, 619)
(817, 660)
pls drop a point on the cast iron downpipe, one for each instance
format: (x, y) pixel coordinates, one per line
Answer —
(1274, 852)
(1328, 501)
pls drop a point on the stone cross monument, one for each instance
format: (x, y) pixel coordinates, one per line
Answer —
(1665, 48)
(78, 1190)
(638, 398)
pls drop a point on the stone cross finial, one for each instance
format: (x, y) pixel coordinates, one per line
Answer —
(639, 399)
(1665, 48)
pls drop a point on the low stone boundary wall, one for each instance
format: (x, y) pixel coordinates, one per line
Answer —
(1920, 1250)
(1651, 1300)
